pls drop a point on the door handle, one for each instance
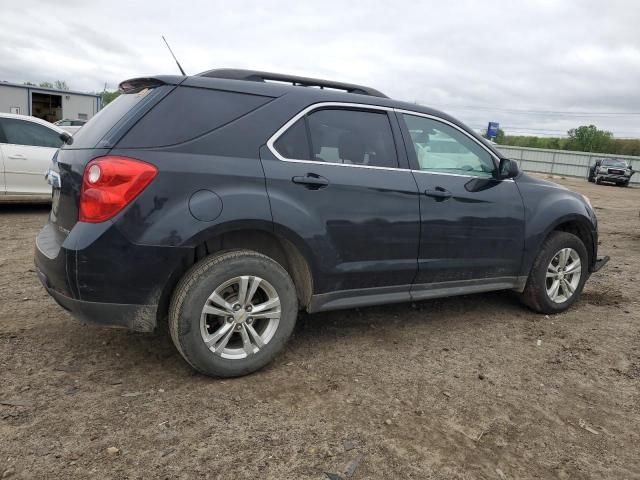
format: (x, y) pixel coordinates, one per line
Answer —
(312, 181)
(17, 156)
(438, 193)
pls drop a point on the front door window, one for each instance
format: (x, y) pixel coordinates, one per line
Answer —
(440, 148)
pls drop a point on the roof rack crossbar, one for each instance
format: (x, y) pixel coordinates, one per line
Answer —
(257, 76)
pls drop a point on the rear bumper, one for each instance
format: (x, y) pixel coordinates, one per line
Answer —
(100, 277)
(139, 318)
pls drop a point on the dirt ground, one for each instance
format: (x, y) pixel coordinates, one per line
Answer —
(463, 388)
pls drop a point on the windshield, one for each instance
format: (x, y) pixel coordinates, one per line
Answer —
(612, 162)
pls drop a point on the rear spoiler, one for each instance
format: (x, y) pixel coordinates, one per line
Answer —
(135, 85)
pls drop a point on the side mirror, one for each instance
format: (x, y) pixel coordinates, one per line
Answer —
(66, 138)
(507, 169)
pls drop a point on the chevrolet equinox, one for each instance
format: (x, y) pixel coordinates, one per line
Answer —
(226, 202)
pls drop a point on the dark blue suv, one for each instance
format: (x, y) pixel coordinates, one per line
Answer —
(226, 202)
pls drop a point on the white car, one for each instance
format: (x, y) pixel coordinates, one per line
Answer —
(71, 126)
(27, 146)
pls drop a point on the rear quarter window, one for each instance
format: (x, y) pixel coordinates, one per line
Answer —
(188, 113)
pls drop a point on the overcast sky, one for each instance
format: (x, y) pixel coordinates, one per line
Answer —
(505, 61)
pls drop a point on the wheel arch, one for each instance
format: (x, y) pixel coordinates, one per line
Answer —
(581, 228)
(260, 237)
(576, 224)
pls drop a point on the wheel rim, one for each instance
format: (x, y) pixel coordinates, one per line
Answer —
(240, 317)
(563, 275)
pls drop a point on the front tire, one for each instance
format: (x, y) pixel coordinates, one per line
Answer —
(232, 313)
(558, 274)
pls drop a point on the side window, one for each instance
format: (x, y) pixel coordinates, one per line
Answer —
(294, 143)
(442, 148)
(21, 132)
(344, 136)
(352, 137)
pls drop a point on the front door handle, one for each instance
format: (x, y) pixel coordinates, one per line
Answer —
(17, 156)
(438, 193)
(312, 181)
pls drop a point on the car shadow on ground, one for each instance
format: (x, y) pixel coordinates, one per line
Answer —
(313, 335)
(24, 208)
(448, 310)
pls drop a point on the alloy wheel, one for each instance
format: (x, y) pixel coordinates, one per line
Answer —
(563, 275)
(240, 317)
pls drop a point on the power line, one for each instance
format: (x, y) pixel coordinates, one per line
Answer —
(534, 112)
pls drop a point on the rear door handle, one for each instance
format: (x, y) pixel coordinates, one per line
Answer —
(438, 193)
(312, 181)
(17, 156)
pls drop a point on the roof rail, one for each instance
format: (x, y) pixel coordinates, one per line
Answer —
(256, 76)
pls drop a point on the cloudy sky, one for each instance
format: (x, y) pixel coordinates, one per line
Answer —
(537, 67)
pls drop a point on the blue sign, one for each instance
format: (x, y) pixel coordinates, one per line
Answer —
(492, 130)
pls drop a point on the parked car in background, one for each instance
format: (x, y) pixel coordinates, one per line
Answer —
(262, 199)
(27, 146)
(612, 170)
(71, 126)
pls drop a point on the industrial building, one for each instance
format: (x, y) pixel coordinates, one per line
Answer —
(48, 103)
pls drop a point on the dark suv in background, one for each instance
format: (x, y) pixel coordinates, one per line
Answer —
(228, 201)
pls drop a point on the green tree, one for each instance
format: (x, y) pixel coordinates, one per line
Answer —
(45, 84)
(108, 97)
(588, 138)
(61, 85)
(553, 143)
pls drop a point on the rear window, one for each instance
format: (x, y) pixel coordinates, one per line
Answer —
(188, 113)
(102, 128)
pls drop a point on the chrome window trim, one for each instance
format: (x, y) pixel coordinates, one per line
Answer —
(316, 106)
(453, 174)
(363, 106)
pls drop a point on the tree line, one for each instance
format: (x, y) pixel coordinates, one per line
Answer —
(586, 138)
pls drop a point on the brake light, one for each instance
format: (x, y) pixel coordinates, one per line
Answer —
(109, 184)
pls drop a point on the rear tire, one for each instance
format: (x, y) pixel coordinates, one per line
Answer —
(232, 313)
(551, 287)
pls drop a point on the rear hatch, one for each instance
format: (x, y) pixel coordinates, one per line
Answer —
(95, 139)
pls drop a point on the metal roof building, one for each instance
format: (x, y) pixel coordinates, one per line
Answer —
(48, 103)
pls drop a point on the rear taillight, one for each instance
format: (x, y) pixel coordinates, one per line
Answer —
(109, 184)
